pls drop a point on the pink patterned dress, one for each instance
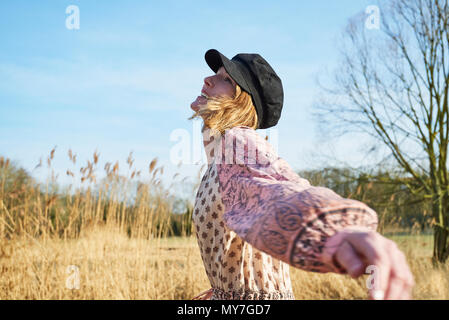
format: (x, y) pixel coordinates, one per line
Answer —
(255, 217)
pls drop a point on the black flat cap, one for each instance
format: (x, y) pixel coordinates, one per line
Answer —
(255, 76)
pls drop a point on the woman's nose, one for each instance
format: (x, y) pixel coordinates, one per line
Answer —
(208, 81)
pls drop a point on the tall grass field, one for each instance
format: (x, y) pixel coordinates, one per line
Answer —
(118, 238)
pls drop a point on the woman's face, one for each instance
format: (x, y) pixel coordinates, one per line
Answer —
(220, 84)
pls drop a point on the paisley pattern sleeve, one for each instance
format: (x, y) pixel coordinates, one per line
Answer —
(268, 205)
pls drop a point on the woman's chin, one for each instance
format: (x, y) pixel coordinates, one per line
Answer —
(194, 107)
(200, 100)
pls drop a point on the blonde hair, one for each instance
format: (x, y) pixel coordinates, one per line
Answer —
(222, 113)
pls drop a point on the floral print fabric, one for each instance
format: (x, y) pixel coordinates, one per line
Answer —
(236, 270)
(254, 216)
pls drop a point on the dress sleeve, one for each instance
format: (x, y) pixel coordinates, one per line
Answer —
(269, 206)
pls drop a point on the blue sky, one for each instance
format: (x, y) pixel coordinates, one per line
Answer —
(125, 80)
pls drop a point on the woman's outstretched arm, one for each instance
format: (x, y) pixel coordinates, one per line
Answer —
(311, 228)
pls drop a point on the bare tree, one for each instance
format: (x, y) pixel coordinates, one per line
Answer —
(393, 84)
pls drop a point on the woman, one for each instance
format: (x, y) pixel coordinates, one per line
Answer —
(254, 216)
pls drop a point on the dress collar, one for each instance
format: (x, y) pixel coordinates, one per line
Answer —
(213, 141)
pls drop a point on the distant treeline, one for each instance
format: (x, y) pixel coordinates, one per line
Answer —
(395, 205)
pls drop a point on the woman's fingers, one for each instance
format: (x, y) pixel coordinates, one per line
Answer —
(353, 263)
(395, 289)
(349, 260)
(401, 278)
(371, 247)
(390, 276)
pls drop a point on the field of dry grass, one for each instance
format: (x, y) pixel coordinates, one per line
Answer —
(120, 249)
(111, 265)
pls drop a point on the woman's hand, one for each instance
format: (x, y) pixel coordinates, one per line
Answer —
(392, 276)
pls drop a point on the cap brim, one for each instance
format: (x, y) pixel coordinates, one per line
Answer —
(215, 60)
